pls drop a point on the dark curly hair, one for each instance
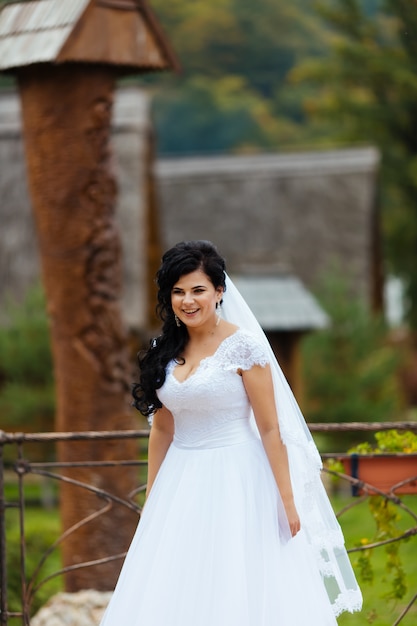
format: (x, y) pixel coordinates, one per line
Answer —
(182, 259)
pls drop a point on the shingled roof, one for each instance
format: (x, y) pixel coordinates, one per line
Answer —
(299, 214)
(281, 303)
(56, 31)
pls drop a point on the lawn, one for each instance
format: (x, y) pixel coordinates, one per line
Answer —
(358, 524)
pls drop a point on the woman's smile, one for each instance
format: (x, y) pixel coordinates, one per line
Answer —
(194, 299)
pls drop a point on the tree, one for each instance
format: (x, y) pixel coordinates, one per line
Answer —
(222, 115)
(367, 85)
(27, 398)
(232, 93)
(351, 370)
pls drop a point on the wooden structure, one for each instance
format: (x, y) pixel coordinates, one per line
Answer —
(135, 214)
(67, 56)
(298, 214)
(120, 34)
(286, 310)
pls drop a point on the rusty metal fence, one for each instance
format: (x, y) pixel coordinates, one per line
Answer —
(16, 466)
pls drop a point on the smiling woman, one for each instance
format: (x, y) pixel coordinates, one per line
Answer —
(226, 536)
(179, 262)
(194, 298)
(195, 302)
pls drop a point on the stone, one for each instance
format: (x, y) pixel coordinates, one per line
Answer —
(83, 608)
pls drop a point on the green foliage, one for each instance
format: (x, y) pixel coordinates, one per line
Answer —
(364, 567)
(258, 41)
(211, 116)
(350, 370)
(367, 85)
(232, 94)
(387, 441)
(25, 354)
(40, 530)
(26, 372)
(271, 75)
(386, 518)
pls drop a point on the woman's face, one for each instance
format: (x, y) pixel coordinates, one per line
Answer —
(194, 298)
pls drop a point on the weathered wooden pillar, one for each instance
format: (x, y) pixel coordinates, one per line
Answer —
(67, 68)
(73, 193)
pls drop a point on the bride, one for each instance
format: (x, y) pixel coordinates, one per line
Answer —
(237, 529)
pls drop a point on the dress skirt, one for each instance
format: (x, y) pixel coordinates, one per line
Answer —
(209, 549)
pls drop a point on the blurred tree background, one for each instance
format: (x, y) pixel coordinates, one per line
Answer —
(27, 388)
(350, 369)
(268, 75)
(366, 88)
(271, 75)
(26, 379)
(257, 76)
(233, 93)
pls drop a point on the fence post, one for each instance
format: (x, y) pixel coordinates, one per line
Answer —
(20, 473)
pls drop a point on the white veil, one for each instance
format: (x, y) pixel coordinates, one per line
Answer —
(318, 520)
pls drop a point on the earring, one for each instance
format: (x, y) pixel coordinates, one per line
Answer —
(177, 321)
(218, 309)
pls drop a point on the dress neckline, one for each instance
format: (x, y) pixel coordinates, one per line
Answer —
(204, 360)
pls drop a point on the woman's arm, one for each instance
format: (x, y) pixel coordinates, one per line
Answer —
(259, 387)
(160, 438)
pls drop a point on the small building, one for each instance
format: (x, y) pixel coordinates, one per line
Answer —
(297, 214)
(286, 310)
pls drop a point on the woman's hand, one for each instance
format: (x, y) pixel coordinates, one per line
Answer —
(292, 517)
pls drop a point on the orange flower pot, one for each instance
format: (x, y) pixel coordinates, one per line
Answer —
(382, 471)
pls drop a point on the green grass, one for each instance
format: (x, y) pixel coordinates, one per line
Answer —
(358, 524)
(42, 527)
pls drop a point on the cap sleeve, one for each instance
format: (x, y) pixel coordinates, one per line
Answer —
(243, 351)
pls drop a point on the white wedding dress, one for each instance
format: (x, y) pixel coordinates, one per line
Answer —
(212, 547)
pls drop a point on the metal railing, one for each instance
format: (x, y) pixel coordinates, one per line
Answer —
(20, 467)
(15, 464)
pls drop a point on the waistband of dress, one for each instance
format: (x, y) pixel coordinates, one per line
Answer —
(236, 432)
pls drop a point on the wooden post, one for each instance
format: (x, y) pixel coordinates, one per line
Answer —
(153, 252)
(66, 115)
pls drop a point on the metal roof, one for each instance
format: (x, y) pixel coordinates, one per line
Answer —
(281, 303)
(34, 32)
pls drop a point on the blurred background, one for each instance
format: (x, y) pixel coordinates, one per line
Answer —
(287, 135)
(288, 139)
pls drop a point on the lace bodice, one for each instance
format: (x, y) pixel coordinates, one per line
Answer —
(207, 405)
